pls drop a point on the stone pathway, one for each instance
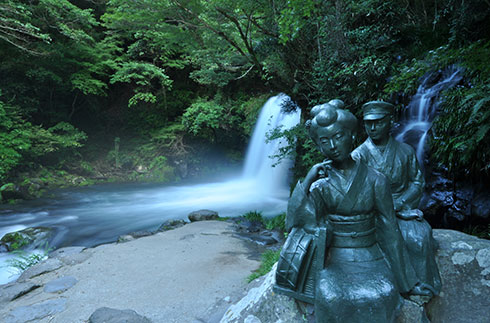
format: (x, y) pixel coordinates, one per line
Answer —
(190, 274)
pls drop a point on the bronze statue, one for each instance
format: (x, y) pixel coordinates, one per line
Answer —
(397, 161)
(344, 252)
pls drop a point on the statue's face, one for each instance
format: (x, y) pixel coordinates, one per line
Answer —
(378, 129)
(335, 142)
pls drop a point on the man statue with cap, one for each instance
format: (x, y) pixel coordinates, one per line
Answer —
(398, 162)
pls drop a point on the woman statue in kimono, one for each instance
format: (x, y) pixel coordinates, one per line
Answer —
(342, 217)
(397, 161)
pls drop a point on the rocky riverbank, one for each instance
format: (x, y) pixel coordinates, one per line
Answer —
(189, 274)
(197, 273)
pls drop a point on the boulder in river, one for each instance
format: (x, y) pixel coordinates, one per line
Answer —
(480, 207)
(203, 215)
(171, 224)
(10, 191)
(29, 238)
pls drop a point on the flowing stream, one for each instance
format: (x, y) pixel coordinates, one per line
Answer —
(99, 214)
(423, 108)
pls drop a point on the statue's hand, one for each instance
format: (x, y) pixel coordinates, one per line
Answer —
(398, 204)
(413, 214)
(317, 171)
(422, 289)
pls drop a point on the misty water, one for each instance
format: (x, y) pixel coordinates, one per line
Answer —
(99, 214)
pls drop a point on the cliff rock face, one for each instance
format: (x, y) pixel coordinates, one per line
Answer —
(464, 263)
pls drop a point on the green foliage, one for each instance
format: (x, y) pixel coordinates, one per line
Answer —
(22, 142)
(25, 260)
(143, 75)
(207, 118)
(480, 231)
(254, 216)
(160, 170)
(17, 241)
(269, 258)
(462, 129)
(276, 223)
(195, 64)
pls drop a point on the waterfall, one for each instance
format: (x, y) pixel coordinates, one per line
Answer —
(98, 214)
(423, 107)
(260, 164)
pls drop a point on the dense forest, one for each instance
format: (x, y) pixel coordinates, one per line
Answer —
(152, 90)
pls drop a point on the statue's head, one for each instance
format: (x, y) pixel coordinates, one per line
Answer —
(378, 119)
(333, 130)
(336, 103)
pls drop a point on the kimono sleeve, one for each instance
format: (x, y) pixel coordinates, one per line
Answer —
(301, 208)
(416, 181)
(390, 239)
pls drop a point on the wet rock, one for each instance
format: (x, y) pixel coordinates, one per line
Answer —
(171, 224)
(110, 315)
(134, 235)
(261, 239)
(60, 284)
(480, 207)
(31, 188)
(28, 238)
(36, 311)
(464, 264)
(454, 219)
(78, 180)
(250, 226)
(203, 215)
(140, 234)
(264, 305)
(71, 255)
(125, 238)
(14, 290)
(40, 268)
(10, 191)
(412, 312)
(141, 169)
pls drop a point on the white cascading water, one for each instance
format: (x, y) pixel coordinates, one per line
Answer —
(423, 107)
(99, 214)
(260, 163)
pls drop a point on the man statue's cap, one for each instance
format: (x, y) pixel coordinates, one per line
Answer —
(375, 110)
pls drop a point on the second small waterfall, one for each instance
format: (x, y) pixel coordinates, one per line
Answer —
(423, 107)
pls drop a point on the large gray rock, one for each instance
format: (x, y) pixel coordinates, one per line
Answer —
(71, 255)
(111, 315)
(43, 267)
(262, 304)
(171, 224)
(59, 285)
(36, 311)
(14, 290)
(464, 263)
(203, 215)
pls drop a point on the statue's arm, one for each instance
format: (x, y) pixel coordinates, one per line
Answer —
(416, 183)
(301, 208)
(390, 239)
